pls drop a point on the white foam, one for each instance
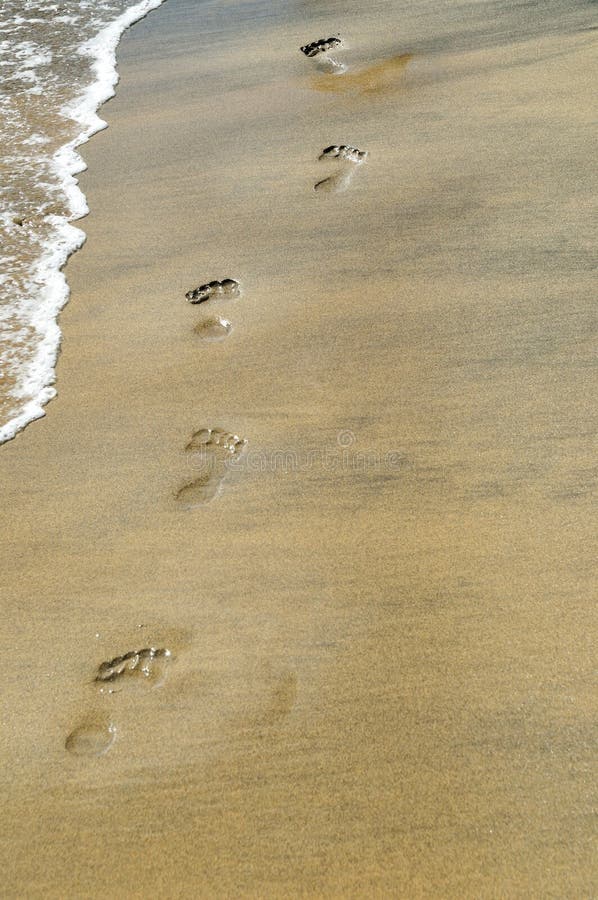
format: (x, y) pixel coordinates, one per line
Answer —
(36, 139)
(48, 289)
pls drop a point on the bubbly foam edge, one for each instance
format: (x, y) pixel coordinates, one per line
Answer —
(37, 385)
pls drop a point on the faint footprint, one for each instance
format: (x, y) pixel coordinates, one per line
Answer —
(214, 329)
(148, 664)
(349, 158)
(92, 738)
(271, 695)
(228, 287)
(214, 449)
(281, 700)
(318, 50)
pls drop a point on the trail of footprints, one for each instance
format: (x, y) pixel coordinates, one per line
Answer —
(210, 452)
(348, 158)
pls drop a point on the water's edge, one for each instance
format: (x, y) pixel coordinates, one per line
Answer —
(48, 275)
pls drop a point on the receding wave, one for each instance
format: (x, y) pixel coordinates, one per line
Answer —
(57, 66)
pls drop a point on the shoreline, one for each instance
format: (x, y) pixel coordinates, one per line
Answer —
(49, 266)
(371, 668)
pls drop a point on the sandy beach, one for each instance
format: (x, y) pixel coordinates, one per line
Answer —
(380, 626)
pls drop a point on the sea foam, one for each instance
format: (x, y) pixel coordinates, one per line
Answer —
(33, 299)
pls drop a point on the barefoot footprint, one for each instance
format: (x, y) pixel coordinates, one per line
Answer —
(282, 699)
(213, 450)
(349, 158)
(95, 735)
(214, 328)
(318, 51)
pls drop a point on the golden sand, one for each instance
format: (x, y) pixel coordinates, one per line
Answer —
(380, 625)
(381, 77)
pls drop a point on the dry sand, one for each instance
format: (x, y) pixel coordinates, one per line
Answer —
(381, 630)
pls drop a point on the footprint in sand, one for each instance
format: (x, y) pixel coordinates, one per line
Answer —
(318, 51)
(283, 694)
(228, 287)
(214, 328)
(349, 159)
(147, 667)
(213, 450)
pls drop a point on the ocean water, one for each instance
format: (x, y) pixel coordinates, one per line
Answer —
(57, 66)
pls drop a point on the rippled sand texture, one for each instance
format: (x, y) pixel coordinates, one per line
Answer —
(379, 681)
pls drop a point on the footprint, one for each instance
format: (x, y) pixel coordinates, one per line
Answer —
(214, 329)
(349, 158)
(318, 51)
(148, 664)
(271, 694)
(228, 287)
(144, 669)
(92, 738)
(281, 700)
(214, 450)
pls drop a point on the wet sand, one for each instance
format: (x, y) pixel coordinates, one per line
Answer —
(380, 680)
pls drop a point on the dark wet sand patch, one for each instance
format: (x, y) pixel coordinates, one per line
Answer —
(381, 77)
